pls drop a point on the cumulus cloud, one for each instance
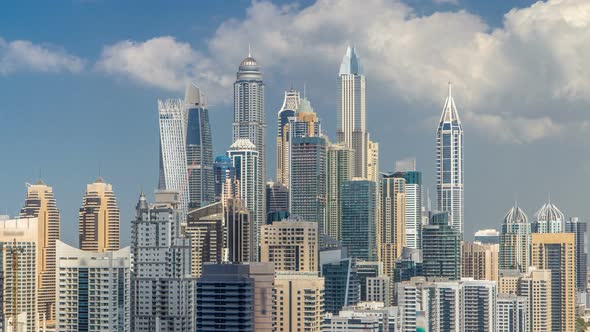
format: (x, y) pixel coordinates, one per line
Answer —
(522, 82)
(162, 62)
(20, 55)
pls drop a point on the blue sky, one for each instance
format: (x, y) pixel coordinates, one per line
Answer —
(80, 94)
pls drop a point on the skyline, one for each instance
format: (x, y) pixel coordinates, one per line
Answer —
(119, 162)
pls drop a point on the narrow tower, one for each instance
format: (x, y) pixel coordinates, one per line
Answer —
(249, 124)
(352, 130)
(449, 168)
(40, 204)
(199, 148)
(288, 110)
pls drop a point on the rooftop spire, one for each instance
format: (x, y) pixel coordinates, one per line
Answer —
(249, 51)
(450, 89)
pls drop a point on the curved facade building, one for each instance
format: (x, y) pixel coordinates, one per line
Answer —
(199, 149)
(515, 241)
(99, 218)
(449, 166)
(173, 161)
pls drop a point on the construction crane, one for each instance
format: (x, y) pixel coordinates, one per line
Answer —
(14, 251)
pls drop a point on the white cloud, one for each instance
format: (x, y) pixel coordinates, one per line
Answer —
(453, 2)
(24, 55)
(162, 62)
(519, 83)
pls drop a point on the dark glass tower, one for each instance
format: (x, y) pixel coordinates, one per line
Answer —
(359, 227)
(199, 149)
(441, 245)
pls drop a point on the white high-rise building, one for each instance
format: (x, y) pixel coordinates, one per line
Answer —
(246, 160)
(18, 240)
(250, 125)
(173, 164)
(288, 110)
(162, 285)
(93, 290)
(512, 313)
(449, 164)
(352, 128)
(548, 219)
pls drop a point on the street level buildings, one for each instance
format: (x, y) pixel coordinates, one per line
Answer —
(93, 290)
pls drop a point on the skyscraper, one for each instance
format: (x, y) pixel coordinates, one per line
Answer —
(352, 130)
(373, 161)
(235, 297)
(291, 245)
(99, 218)
(93, 290)
(293, 313)
(579, 228)
(342, 286)
(277, 202)
(556, 252)
(161, 283)
(173, 161)
(240, 238)
(441, 248)
(512, 313)
(224, 174)
(515, 241)
(249, 124)
(413, 207)
(206, 228)
(18, 240)
(449, 165)
(199, 148)
(548, 219)
(340, 167)
(359, 222)
(392, 226)
(479, 261)
(308, 179)
(40, 204)
(250, 191)
(290, 106)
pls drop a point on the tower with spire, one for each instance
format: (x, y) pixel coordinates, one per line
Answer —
(249, 124)
(449, 167)
(352, 129)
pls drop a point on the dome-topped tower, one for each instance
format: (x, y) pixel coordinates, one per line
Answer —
(249, 69)
(548, 219)
(515, 216)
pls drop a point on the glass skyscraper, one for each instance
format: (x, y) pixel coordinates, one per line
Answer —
(224, 175)
(199, 148)
(359, 227)
(449, 166)
(441, 248)
(288, 110)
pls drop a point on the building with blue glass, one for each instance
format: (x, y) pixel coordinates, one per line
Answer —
(359, 224)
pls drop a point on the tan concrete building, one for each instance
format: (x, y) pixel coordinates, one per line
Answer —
(18, 240)
(557, 252)
(340, 168)
(479, 261)
(206, 229)
(40, 203)
(99, 218)
(391, 229)
(373, 161)
(299, 301)
(291, 245)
